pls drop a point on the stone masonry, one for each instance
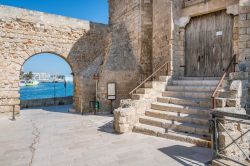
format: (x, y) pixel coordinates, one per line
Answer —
(140, 37)
(26, 33)
(169, 22)
(128, 60)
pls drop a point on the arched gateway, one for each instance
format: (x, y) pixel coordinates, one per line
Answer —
(26, 33)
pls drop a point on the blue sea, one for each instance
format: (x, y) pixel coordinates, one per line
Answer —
(46, 90)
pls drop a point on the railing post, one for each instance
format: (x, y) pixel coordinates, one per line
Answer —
(234, 63)
(213, 103)
(13, 113)
(212, 131)
(215, 137)
(81, 106)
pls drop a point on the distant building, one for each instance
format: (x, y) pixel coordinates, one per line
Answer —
(41, 77)
(68, 78)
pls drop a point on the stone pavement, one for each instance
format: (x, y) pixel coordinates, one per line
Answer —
(53, 137)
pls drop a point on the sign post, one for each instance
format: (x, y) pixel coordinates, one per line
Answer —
(54, 91)
(65, 87)
(13, 113)
(111, 94)
(97, 104)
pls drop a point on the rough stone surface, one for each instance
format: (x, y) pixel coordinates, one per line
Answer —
(141, 36)
(233, 9)
(238, 76)
(161, 35)
(124, 120)
(26, 33)
(128, 60)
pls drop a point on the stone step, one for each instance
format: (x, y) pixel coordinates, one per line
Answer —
(186, 101)
(203, 95)
(179, 117)
(227, 94)
(139, 96)
(164, 78)
(191, 88)
(199, 78)
(143, 90)
(158, 85)
(175, 126)
(184, 137)
(221, 102)
(180, 108)
(196, 82)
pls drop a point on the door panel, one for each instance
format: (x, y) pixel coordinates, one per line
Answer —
(208, 44)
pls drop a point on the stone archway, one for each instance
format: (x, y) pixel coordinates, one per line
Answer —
(26, 33)
(41, 95)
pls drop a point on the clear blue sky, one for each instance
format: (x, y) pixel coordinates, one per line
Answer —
(92, 10)
(47, 63)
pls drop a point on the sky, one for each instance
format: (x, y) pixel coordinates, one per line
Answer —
(92, 10)
(47, 63)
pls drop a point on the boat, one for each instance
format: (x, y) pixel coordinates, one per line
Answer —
(22, 83)
(32, 83)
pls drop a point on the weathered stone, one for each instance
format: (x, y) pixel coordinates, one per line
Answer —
(124, 119)
(27, 33)
(233, 9)
(220, 102)
(183, 21)
(233, 103)
(126, 103)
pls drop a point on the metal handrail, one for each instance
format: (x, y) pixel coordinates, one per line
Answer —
(149, 77)
(233, 61)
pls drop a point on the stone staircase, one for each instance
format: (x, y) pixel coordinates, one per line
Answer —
(181, 110)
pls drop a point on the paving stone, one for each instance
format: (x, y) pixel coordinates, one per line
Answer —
(72, 139)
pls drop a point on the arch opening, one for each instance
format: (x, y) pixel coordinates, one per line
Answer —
(46, 79)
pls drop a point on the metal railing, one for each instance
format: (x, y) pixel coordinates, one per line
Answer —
(217, 124)
(232, 62)
(149, 77)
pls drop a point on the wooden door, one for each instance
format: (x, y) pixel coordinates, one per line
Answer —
(208, 44)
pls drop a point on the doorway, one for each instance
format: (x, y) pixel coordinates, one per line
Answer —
(208, 45)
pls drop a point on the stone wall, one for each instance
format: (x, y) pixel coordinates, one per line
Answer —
(161, 34)
(142, 35)
(244, 39)
(26, 33)
(145, 35)
(128, 60)
(193, 2)
(46, 102)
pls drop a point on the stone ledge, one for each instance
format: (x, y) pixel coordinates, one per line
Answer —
(46, 102)
(238, 76)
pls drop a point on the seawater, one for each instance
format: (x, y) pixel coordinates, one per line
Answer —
(46, 90)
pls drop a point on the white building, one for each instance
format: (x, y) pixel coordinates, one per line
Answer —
(68, 78)
(41, 77)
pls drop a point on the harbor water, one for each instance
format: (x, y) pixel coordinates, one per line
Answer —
(46, 90)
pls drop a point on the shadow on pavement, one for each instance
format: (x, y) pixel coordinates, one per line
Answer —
(189, 156)
(108, 128)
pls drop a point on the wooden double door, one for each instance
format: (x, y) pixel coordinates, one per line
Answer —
(208, 45)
